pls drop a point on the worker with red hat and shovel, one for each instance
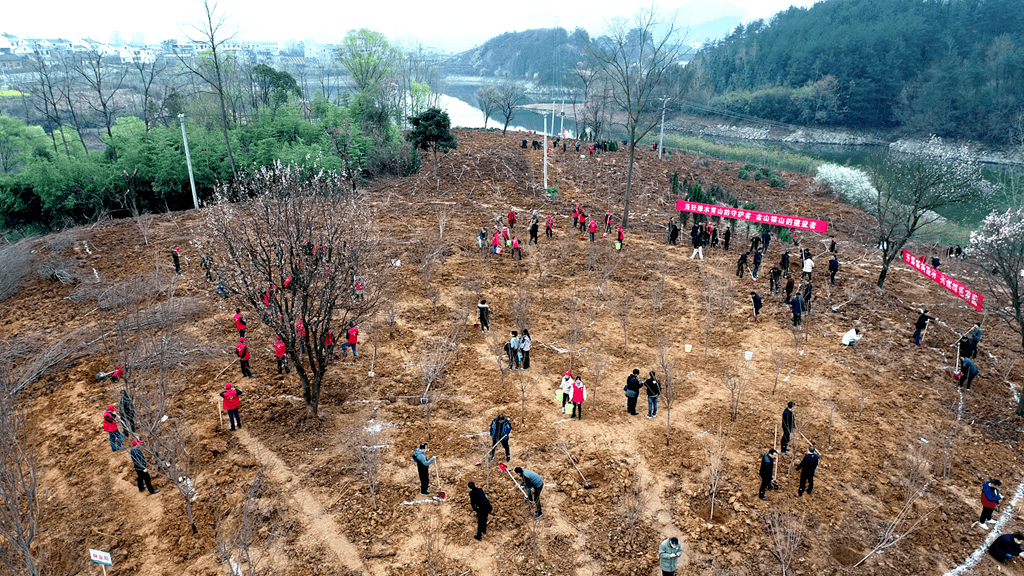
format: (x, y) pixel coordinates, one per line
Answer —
(231, 404)
(110, 427)
(243, 357)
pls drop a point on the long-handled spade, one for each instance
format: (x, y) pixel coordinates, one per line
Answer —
(586, 483)
(505, 469)
(491, 451)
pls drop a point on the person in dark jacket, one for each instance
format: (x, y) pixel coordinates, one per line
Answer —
(774, 280)
(968, 370)
(757, 304)
(755, 242)
(790, 286)
(797, 306)
(177, 262)
(485, 316)
(231, 404)
(1006, 546)
(921, 325)
(533, 483)
(726, 236)
(632, 390)
(698, 246)
(482, 506)
(990, 497)
(766, 237)
(832, 246)
(787, 425)
(653, 388)
(784, 264)
(767, 472)
(975, 338)
(673, 232)
(833, 269)
(757, 264)
(740, 264)
(127, 412)
(807, 466)
(423, 468)
(142, 477)
(808, 295)
(500, 429)
(534, 228)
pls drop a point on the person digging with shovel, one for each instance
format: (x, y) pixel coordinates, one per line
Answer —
(533, 483)
(767, 472)
(419, 456)
(500, 429)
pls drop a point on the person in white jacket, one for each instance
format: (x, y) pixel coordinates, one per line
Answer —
(566, 387)
(851, 337)
(808, 267)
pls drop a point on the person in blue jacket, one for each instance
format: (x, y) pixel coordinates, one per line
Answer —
(797, 306)
(990, 497)
(423, 467)
(500, 429)
(533, 484)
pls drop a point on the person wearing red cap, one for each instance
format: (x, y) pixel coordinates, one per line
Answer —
(119, 373)
(177, 263)
(240, 322)
(620, 237)
(243, 357)
(329, 344)
(608, 223)
(141, 469)
(231, 404)
(280, 352)
(110, 427)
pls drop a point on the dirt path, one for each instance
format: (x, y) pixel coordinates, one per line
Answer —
(312, 514)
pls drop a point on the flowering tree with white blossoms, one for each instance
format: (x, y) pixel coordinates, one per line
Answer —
(912, 186)
(998, 246)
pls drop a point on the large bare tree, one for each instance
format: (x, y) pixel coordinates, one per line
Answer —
(302, 250)
(636, 56)
(510, 99)
(212, 31)
(105, 80)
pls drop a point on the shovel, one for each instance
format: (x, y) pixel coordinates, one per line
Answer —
(505, 469)
(491, 451)
(586, 483)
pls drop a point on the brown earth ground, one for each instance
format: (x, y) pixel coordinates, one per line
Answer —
(890, 398)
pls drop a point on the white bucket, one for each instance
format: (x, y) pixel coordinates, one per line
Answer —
(688, 348)
(748, 355)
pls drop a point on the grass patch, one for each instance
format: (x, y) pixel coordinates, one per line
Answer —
(774, 158)
(10, 94)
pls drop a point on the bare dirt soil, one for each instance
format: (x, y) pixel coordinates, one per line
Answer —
(868, 408)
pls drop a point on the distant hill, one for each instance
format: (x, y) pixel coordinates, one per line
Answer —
(952, 68)
(547, 55)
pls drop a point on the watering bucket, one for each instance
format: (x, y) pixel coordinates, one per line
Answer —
(688, 348)
(748, 355)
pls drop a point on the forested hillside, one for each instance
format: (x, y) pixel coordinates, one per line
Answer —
(543, 55)
(954, 68)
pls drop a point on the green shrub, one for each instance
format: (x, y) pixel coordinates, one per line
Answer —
(707, 163)
(750, 167)
(552, 192)
(758, 175)
(776, 181)
(744, 175)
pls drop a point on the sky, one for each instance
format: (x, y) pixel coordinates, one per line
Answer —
(451, 26)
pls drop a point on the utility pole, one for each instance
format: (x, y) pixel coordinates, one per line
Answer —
(661, 141)
(546, 151)
(188, 160)
(561, 121)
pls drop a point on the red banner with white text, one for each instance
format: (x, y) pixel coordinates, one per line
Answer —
(794, 222)
(963, 292)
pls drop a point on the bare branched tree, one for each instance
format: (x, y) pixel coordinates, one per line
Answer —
(777, 358)
(248, 540)
(575, 327)
(623, 306)
(598, 360)
(305, 255)
(22, 505)
(365, 443)
(434, 542)
(668, 385)
(735, 383)
(635, 497)
(714, 444)
(786, 533)
(520, 301)
(496, 346)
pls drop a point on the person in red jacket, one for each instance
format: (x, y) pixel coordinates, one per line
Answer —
(620, 236)
(351, 339)
(495, 242)
(243, 357)
(110, 427)
(119, 373)
(515, 248)
(549, 223)
(592, 228)
(329, 344)
(231, 404)
(240, 322)
(575, 215)
(300, 327)
(608, 223)
(281, 353)
(512, 217)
